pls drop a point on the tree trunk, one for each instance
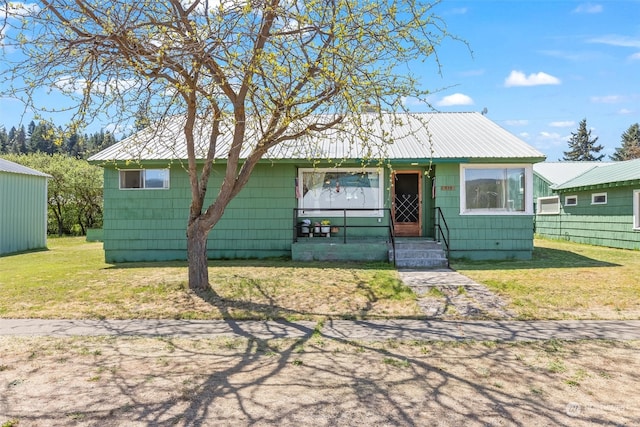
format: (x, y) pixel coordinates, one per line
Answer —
(197, 256)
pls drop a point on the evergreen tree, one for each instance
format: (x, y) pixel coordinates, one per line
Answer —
(31, 129)
(630, 144)
(43, 137)
(72, 146)
(4, 140)
(20, 141)
(11, 137)
(581, 147)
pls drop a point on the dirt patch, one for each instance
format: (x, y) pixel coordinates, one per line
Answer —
(110, 381)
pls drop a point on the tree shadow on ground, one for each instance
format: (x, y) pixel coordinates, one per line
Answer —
(313, 380)
(542, 258)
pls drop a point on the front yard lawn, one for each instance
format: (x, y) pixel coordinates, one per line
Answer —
(565, 280)
(72, 281)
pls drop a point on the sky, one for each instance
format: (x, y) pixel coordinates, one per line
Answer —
(538, 67)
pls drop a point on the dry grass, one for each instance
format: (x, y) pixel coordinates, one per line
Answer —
(71, 280)
(565, 281)
(110, 381)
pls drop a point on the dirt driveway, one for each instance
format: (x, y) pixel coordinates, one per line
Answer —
(111, 381)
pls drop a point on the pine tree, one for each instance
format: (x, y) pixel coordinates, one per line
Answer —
(581, 147)
(20, 141)
(4, 140)
(630, 144)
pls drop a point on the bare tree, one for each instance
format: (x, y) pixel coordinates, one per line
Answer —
(259, 73)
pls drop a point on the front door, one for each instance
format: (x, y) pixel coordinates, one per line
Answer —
(407, 203)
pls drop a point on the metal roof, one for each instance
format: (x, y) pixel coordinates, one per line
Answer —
(615, 172)
(556, 173)
(11, 167)
(386, 136)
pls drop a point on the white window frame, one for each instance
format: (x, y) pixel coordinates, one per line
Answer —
(378, 211)
(636, 210)
(550, 198)
(567, 198)
(528, 189)
(593, 198)
(143, 179)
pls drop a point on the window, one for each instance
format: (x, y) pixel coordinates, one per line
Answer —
(636, 210)
(144, 178)
(548, 205)
(599, 199)
(496, 189)
(340, 189)
(571, 201)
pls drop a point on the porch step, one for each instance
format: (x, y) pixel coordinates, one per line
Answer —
(419, 253)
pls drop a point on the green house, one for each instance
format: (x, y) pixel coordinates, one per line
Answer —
(23, 208)
(455, 178)
(589, 202)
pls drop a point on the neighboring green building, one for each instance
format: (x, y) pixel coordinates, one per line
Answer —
(23, 208)
(458, 166)
(589, 202)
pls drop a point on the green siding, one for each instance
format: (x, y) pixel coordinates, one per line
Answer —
(144, 225)
(604, 225)
(480, 236)
(23, 212)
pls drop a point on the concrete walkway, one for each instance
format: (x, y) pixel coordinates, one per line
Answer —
(438, 330)
(445, 294)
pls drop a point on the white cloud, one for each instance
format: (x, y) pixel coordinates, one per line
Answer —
(524, 135)
(411, 101)
(588, 8)
(76, 85)
(625, 111)
(549, 135)
(562, 124)
(458, 11)
(635, 56)
(518, 78)
(516, 122)
(549, 139)
(15, 9)
(455, 99)
(617, 40)
(608, 99)
(472, 73)
(572, 56)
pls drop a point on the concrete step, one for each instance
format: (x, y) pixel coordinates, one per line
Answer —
(418, 244)
(418, 254)
(427, 263)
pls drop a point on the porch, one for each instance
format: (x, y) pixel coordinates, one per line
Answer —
(349, 239)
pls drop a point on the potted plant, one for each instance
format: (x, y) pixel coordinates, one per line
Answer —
(325, 226)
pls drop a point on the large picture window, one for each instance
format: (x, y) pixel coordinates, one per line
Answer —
(340, 189)
(144, 179)
(496, 189)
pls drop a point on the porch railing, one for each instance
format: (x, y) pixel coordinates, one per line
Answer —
(346, 225)
(442, 234)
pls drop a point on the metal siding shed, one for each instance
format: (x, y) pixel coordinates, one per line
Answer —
(23, 208)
